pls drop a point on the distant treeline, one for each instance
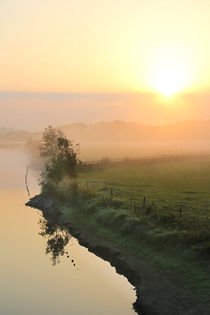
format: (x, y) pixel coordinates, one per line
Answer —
(120, 131)
(127, 161)
(128, 132)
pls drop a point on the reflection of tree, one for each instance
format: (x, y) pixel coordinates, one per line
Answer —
(57, 239)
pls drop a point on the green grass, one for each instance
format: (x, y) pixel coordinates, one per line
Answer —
(167, 186)
(179, 243)
(139, 242)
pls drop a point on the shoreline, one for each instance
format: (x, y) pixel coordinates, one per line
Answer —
(158, 291)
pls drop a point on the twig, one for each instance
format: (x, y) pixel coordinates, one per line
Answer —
(26, 181)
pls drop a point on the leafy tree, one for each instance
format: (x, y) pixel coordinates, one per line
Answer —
(48, 147)
(61, 157)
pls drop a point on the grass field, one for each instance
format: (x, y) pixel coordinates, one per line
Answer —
(177, 197)
(168, 184)
(178, 242)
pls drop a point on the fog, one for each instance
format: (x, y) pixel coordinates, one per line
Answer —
(34, 111)
(118, 139)
(110, 125)
(91, 151)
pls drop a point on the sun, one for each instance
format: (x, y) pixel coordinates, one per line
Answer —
(169, 72)
(169, 80)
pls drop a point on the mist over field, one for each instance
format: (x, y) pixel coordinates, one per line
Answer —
(121, 139)
(118, 139)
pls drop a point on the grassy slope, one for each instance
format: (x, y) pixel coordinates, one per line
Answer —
(182, 266)
(178, 245)
(178, 242)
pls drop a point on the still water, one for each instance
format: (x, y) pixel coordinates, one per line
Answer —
(30, 283)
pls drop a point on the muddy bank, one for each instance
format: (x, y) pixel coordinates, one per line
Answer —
(157, 291)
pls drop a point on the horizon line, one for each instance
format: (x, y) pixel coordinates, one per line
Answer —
(48, 93)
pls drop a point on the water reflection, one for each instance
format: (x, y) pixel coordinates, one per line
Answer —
(57, 238)
(27, 276)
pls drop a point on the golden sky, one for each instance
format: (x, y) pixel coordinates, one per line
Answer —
(104, 46)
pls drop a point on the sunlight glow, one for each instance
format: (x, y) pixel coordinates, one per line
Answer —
(169, 79)
(170, 72)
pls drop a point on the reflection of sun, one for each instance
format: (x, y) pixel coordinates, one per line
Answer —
(169, 72)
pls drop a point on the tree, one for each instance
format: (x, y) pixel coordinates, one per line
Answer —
(48, 147)
(61, 157)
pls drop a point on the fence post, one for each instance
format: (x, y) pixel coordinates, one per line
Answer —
(144, 202)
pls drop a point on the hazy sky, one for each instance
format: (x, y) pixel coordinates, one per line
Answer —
(108, 47)
(36, 111)
(104, 45)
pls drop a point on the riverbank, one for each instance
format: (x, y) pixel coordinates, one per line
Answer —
(166, 283)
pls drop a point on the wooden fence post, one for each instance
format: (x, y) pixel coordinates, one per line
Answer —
(144, 202)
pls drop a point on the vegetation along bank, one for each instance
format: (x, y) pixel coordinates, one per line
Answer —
(150, 220)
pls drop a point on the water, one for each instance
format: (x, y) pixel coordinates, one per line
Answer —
(30, 284)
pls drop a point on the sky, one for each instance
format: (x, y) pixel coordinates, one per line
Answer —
(65, 61)
(104, 46)
(35, 111)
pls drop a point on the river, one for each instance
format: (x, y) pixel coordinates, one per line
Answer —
(80, 284)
